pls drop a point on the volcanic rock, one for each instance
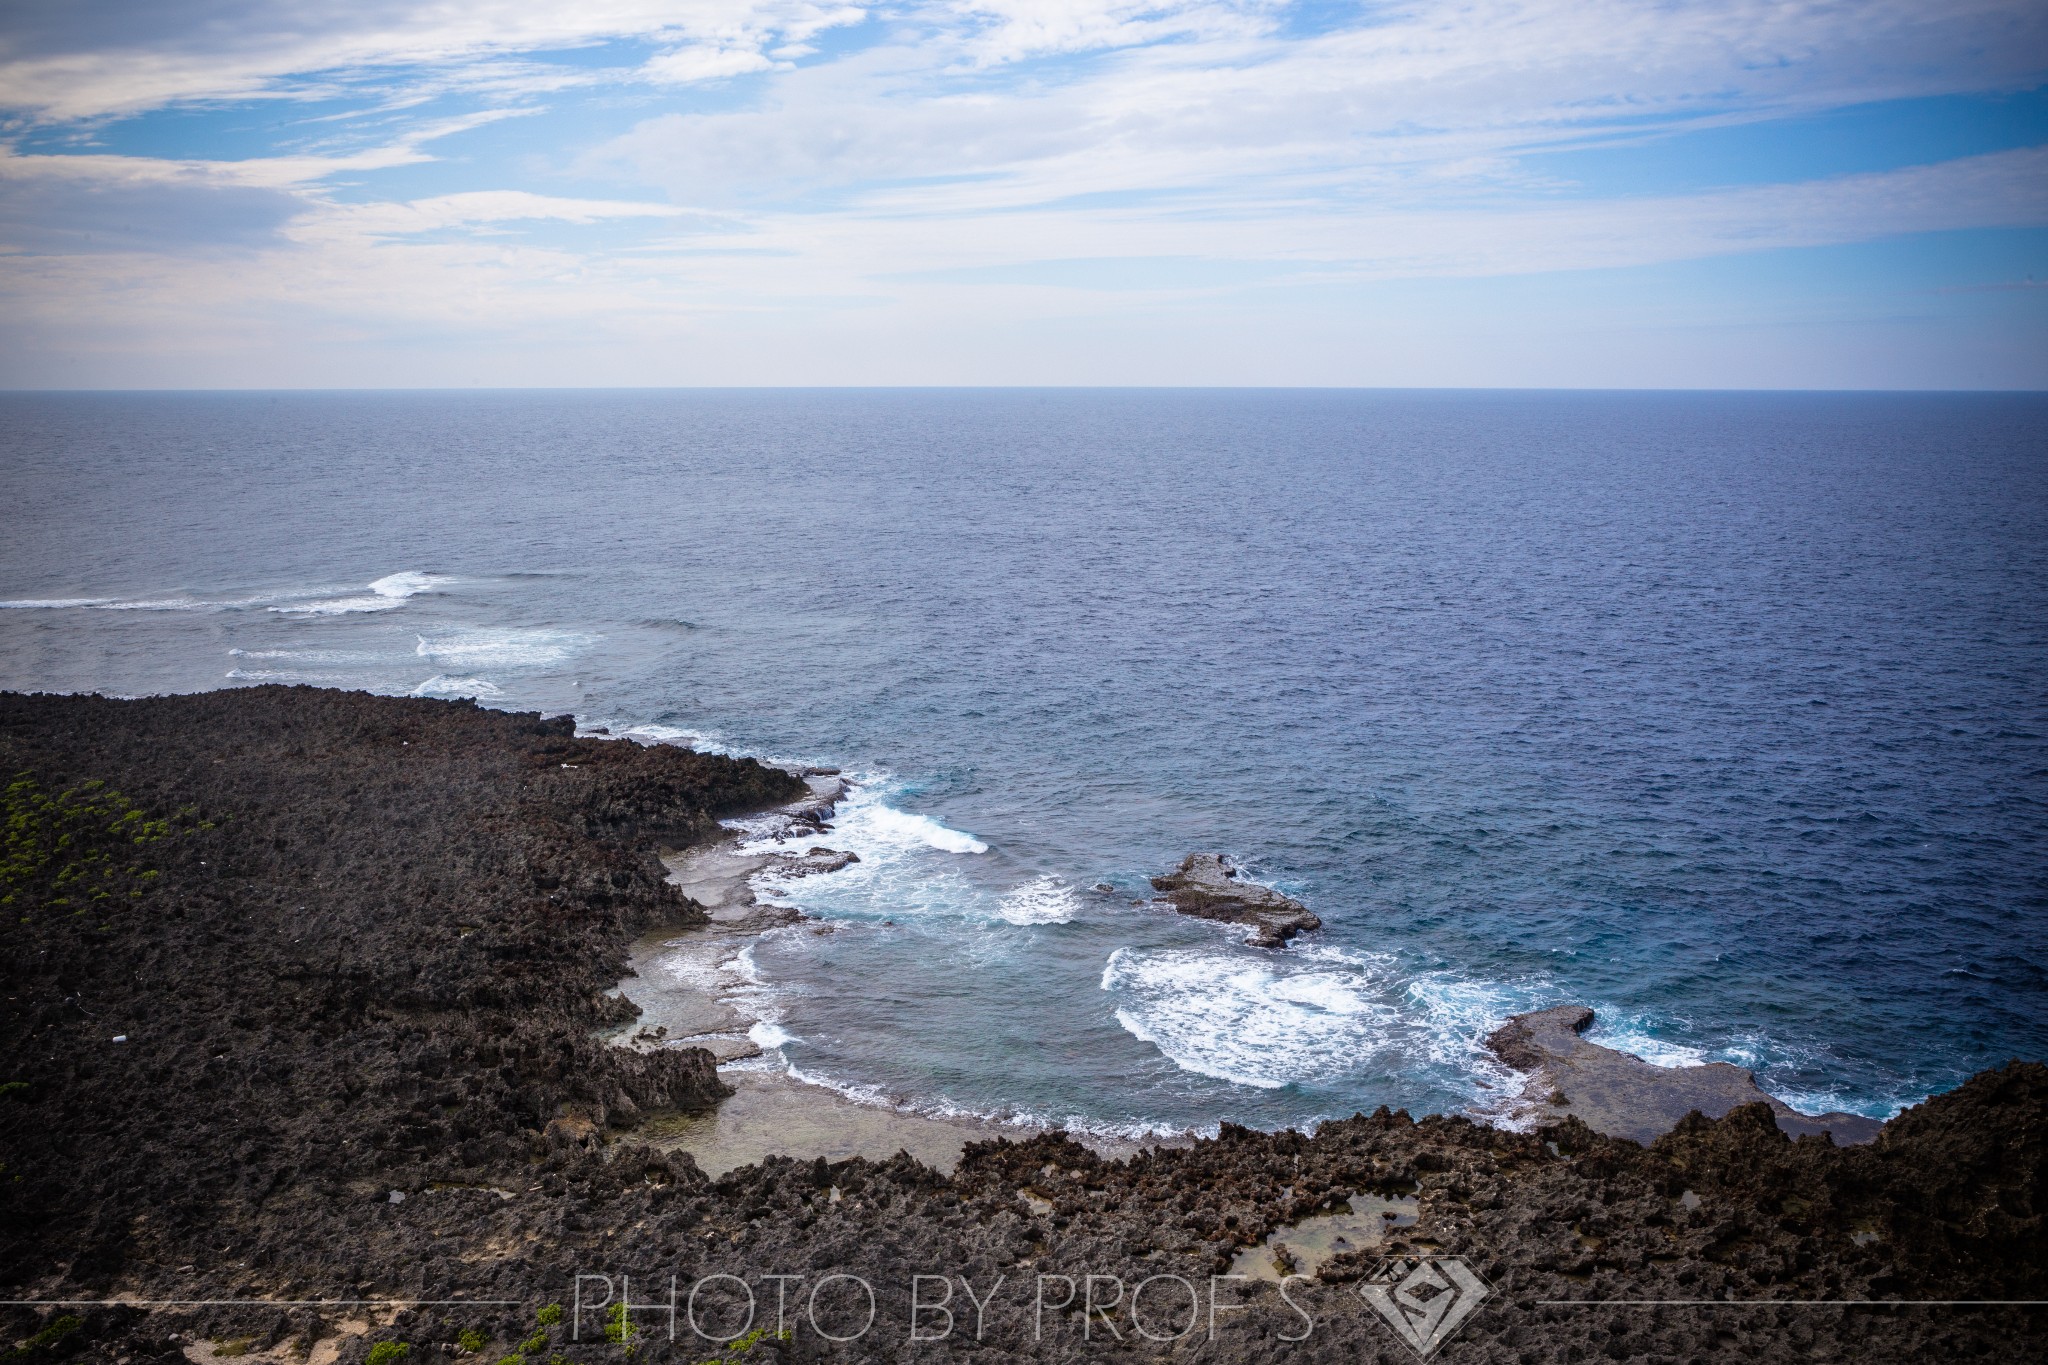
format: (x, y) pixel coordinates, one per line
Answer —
(375, 958)
(1624, 1096)
(813, 861)
(1208, 886)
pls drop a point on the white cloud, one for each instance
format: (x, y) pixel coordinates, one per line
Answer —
(1426, 97)
(472, 209)
(1011, 30)
(705, 63)
(923, 180)
(103, 57)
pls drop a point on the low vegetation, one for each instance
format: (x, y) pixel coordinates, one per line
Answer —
(80, 852)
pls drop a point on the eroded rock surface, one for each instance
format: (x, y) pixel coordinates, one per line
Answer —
(383, 939)
(1208, 886)
(361, 1064)
(1624, 1096)
(813, 861)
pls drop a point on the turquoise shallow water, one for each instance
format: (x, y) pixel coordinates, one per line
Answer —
(1721, 713)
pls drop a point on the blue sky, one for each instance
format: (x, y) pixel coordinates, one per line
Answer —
(1743, 193)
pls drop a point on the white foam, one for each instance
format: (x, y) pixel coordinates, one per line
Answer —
(1262, 1023)
(768, 1034)
(1313, 1014)
(339, 606)
(180, 602)
(866, 824)
(1781, 1066)
(907, 865)
(409, 584)
(165, 604)
(1454, 1015)
(940, 1107)
(703, 741)
(508, 647)
(746, 968)
(1834, 1102)
(441, 685)
(334, 658)
(1631, 1034)
(1048, 900)
(275, 675)
(872, 1095)
(386, 594)
(888, 825)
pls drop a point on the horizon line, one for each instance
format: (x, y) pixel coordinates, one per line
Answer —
(6, 391)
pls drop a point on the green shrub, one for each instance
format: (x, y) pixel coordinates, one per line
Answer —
(551, 1315)
(388, 1353)
(471, 1341)
(534, 1342)
(740, 1346)
(49, 1336)
(80, 842)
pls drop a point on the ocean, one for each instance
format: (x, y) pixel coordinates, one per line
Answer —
(1725, 714)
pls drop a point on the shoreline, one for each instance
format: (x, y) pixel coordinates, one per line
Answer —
(348, 1045)
(691, 987)
(690, 994)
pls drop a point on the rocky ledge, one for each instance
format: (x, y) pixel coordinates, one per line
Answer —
(1208, 886)
(1626, 1097)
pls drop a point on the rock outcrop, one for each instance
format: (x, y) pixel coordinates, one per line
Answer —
(1624, 1096)
(367, 935)
(1208, 886)
(813, 861)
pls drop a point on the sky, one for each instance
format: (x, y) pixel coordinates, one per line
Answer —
(1482, 193)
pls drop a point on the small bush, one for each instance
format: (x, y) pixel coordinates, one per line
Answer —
(743, 1345)
(551, 1315)
(388, 1353)
(49, 1336)
(52, 847)
(471, 1341)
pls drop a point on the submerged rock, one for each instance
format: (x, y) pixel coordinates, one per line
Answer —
(813, 861)
(1207, 886)
(1624, 1096)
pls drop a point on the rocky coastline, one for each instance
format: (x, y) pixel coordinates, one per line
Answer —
(308, 1057)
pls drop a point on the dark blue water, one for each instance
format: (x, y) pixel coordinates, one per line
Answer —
(1726, 714)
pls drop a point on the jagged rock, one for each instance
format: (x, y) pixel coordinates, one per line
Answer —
(379, 974)
(1207, 886)
(813, 861)
(1624, 1096)
(388, 936)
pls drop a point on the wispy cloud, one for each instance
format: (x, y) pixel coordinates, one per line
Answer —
(103, 57)
(613, 172)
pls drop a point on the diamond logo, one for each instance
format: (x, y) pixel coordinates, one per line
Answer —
(1425, 1299)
